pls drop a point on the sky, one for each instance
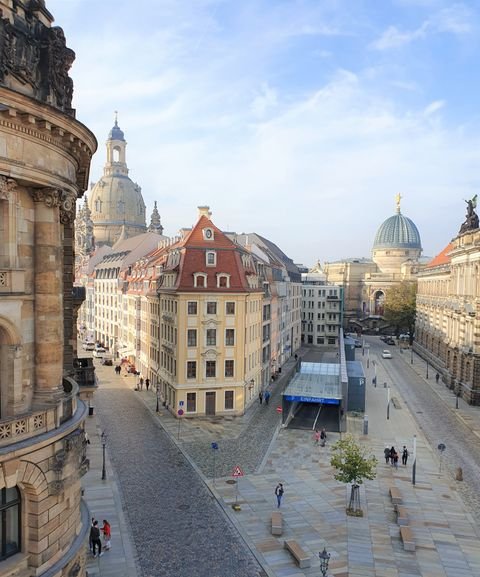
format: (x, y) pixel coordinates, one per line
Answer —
(297, 119)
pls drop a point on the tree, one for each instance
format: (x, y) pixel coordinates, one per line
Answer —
(400, 307)
(353, 464)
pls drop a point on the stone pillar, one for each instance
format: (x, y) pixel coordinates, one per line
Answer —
(67, 217)
(48, 304)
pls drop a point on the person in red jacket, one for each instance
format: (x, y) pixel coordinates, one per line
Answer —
(107, 534)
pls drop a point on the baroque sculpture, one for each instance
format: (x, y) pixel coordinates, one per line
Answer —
(471, 220)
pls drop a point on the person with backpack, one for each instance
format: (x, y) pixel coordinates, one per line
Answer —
(279, 493)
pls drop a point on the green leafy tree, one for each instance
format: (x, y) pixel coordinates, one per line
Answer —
(400, 307)
(353, 464)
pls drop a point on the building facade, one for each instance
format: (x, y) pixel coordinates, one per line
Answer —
(396, 257)
(447, 328)
(44, 168)
(322, 310)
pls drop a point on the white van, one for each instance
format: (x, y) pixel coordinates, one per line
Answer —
(88, 346)
(99, 352)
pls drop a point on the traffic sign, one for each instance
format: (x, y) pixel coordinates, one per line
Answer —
(214, 445)
(181, 403)
(237, 472)
(180, 412)
(279, 410)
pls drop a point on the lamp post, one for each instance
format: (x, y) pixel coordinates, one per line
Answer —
(427, 368)
(388, 403)
(411, 354)
(157, 408)
(324, 560)
(214, 449)
(104, 443)
(414, 467)
(456, 398)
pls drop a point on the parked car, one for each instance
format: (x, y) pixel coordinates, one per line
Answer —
(88, 346)
(390, 341)
(358, 344)
(386, 354)
(99, 352)
(107, 361)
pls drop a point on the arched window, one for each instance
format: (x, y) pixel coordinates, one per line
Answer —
(10, 522)
(116, 154)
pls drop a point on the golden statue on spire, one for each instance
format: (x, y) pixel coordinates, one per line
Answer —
(398, 198)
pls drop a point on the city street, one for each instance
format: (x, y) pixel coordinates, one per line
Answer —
(434, 417)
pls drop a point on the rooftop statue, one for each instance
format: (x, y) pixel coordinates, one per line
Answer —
(471, 221)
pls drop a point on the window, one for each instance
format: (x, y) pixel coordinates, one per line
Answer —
(192, 337)
(320, 340)
(191, 402)
(230, 308)
(331, 341)
(192, 307)
(223, 281)
(211, 258)
(211, 308)
(211, 337)
(229, 364)
(229, 337)
(211, 369)
(199, 280)
(191, 369)
(228, 400)
(208, 234)
(10, 522)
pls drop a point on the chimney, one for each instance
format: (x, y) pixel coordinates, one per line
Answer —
(204, 211)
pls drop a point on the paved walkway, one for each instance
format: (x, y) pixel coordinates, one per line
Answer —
(314, 503)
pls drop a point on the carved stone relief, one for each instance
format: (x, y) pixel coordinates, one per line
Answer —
(7, 185)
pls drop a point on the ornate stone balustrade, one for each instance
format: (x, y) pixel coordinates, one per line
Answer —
(19, 428)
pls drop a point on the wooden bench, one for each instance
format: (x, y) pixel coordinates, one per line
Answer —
(302, 558)
(402, 515)
(277, 523)
(396, 496)
(407, 537)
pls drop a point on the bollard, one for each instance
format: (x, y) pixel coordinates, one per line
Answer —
(365, 424)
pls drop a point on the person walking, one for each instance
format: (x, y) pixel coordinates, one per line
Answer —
(107, 534)
(323, 437)
(395, 460)
(316, 436)
(140, 384)
(279, 494)
(392, 455)
(404, 456)
(147, 383)
(386, 452)
(90, 542)
(95, 539)
(260, 397)
(267, 397)
(437, 378)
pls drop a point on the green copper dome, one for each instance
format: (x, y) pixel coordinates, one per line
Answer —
(398, 231)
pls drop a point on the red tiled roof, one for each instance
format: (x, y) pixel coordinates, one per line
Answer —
(441, 258)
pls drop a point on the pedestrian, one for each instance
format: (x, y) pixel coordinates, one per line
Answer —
(107, 534)
(267, 397)
(386, 452)
(147, 383)
(404, 456)
(323, 437)
(260, 397)
(140, 383)
(437, 378)
(95, 539)
(90, 543)
(279, 494)
(87, 438)
(392, 455)
(316, 436)
(296, 357)
(395, 460)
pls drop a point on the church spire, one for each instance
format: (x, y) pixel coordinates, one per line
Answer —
(155, 224)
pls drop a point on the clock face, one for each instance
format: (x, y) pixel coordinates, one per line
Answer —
(208, 233)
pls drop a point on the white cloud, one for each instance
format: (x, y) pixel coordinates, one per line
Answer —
(433, 107)
(456, 19)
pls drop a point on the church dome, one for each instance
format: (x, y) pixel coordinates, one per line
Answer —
(116, 133)
(398, 231)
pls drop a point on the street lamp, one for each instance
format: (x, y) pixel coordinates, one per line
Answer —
(456, 399)
(104, 442)
(427, 368)
(324, 560)
(388, 403)
(157, 409)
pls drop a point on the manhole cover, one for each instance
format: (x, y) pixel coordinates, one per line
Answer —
(230, 481)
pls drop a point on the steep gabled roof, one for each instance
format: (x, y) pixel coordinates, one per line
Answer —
(441, 258)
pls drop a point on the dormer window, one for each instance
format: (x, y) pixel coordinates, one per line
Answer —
(211, 258)
(208, 234)
(199, 280)
(223, 280)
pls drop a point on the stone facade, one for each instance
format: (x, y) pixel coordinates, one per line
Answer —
(45, 157)
(447, 329)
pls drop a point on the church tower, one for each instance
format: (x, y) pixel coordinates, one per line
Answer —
(155, 224)
(116, 202)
